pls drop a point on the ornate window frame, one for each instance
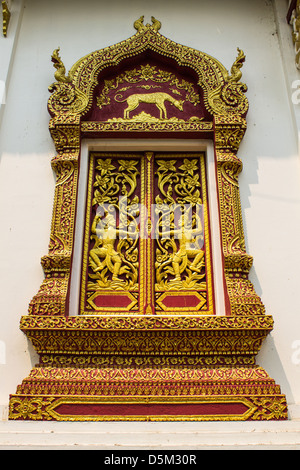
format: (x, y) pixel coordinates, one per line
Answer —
(193, 146)
(215, 345)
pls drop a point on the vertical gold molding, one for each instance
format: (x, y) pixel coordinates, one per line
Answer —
(5, 18)
(229, 132)
(148, 264)
(52, 296)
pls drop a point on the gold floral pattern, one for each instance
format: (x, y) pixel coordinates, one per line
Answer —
(180, 257)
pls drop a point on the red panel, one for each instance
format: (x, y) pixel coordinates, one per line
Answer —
(103, 409)
(181, 301)
(142, 83)
(121, 301)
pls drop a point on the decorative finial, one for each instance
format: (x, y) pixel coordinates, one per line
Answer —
(236, 73)
(139, 24)
(156, 24)
(60, 74)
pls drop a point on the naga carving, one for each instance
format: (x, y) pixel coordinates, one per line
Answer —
(139, 24)
(60, 73)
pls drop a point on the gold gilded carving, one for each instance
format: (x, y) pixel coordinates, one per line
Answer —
(147, 123)
(32, 408)
(65, 360)
(223, 93)
(228, 136)
(151, 381)
(139, 24)
(66, 98)
(270, 408)
(230, 98)
(139, 357)
(243, 298)
(156, 24)
(60, 73)
(5, 17)
(222, 373)
(146, 73)
(236, 73)
(103, 257)
(51, 298)
(92, 323)
(115, 250)
(158, 99)
(150, 343)
(43, 407)
(185, 260)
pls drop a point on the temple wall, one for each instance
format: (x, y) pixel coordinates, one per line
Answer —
(269, 182)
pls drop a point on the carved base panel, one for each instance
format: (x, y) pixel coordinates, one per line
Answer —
(155, 335)
(149, 394)
(147, 369)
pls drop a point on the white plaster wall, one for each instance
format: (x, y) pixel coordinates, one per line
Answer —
(270, 184)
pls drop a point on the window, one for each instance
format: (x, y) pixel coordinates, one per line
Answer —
(146, 311)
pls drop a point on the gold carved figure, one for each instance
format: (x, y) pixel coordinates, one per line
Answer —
(103, 255)
(188, 238)
(113, 258)
(186, 261)
(179, 250)
(187, 249)
(158, 98)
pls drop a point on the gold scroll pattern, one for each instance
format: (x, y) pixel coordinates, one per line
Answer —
(149, 125)
(182, 258)
(111, 240)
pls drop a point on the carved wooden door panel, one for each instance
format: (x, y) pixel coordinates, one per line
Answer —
(146, 243)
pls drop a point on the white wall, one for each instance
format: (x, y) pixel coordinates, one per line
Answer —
(270, 184)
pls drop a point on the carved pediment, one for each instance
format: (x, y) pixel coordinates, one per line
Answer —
(222, 92)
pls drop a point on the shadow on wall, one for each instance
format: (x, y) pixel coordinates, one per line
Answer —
(269, 359)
